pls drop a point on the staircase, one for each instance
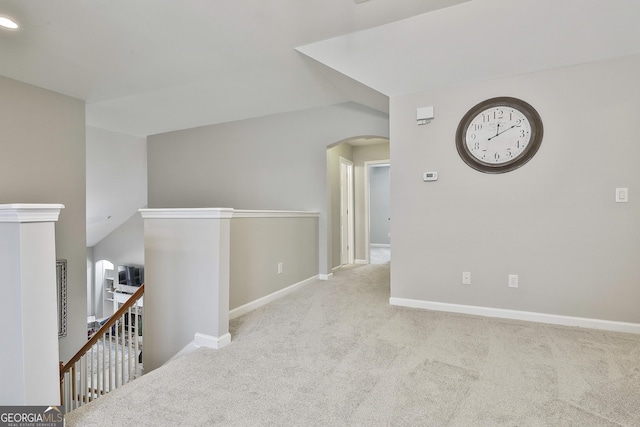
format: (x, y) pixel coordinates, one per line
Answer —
(111, 358)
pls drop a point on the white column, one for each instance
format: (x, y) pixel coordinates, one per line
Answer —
(29, 360)
(186, 254)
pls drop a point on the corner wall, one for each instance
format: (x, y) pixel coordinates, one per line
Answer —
(553, 222)
(43, 161)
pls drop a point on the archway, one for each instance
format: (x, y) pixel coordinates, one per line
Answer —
(358, 150)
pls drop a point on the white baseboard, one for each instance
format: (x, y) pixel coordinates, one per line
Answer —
(361, 261)
(607, 325)
(380, 245)
(203, 340)
(325, 276)
(243, 309)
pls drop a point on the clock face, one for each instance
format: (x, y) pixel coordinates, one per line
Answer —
(499, 135)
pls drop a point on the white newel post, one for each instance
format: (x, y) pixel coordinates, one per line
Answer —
(29, 359)
(186, 254)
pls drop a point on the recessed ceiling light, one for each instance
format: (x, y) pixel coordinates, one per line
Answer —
(8, 23)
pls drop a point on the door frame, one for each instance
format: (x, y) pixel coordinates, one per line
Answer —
(367, 208)
(347, 232)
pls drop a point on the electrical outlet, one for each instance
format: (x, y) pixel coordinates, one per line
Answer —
(466, 277)
(513, 280)
(279, 268)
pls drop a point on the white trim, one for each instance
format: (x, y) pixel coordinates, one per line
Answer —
(203, 340)
(361, 261)
(380, 245)
(187, 213)
(221, 213)
(554, 319)
(274, 214)
(325, 276)
(347, 191)
(244, 309)
(30, 212)
(335, 268)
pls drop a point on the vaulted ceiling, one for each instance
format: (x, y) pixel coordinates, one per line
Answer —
(150, 66)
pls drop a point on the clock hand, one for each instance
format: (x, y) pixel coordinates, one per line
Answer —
(500, 133)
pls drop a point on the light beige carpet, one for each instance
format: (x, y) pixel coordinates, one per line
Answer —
(336, 354)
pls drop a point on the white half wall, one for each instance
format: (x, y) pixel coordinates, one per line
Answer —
(28, 308)
(187, 270)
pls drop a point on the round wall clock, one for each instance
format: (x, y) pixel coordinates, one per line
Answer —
(499, 135)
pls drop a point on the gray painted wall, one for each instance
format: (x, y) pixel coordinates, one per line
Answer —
(379, 205)
(262, 243)
(553, 221)
(274, 162)
(43, 161)
(116, 180)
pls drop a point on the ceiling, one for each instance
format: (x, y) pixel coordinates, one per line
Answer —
(145, 67)
(481, 40)
(151, 66)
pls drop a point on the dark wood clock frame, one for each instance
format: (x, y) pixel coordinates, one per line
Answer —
(504, 101)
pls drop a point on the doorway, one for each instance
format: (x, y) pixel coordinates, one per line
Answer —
(377, 211)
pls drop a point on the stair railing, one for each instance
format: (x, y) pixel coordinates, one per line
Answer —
(110, 359)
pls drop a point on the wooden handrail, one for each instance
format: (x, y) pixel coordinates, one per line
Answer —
(108, 324)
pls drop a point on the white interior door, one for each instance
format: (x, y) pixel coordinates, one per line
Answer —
(346, 212)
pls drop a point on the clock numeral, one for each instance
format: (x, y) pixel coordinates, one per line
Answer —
(509, 153)
(498, 114)
(523, 133)
(477, 126)
(496, 156)
(485, 118)
(476, 146)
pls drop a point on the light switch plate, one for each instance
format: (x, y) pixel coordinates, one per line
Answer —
(622, 195)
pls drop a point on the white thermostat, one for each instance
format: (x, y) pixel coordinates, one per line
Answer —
(430, 176)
